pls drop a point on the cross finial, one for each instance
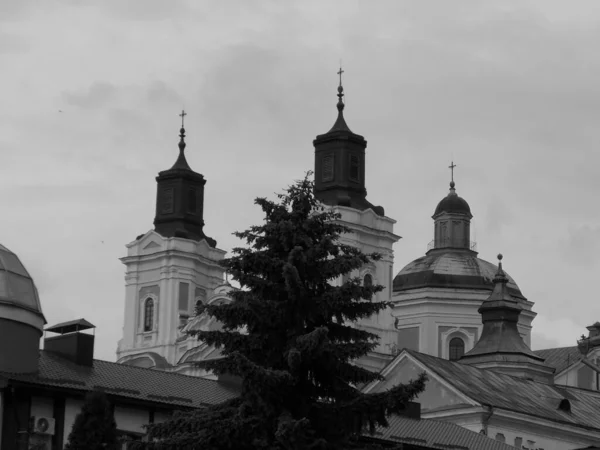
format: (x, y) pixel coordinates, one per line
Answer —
(340, 72)
(182, 115)
(451, 167)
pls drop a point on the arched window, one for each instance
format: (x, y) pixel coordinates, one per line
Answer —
(457, 348)
(148, 314)
(368, 280)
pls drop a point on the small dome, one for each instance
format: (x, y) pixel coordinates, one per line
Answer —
(452, 203)
(451, 269)
(16, 285)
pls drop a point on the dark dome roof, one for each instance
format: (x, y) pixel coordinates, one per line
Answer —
(451, 268)
(452, 203)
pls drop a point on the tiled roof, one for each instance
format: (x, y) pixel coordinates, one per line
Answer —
(127, 381)
(436, 434)
(518, 394)
(560, 358)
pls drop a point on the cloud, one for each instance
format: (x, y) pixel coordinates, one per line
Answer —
(555, 332)
(581, 246)
(98, 95)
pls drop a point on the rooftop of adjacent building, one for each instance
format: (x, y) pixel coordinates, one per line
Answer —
(513, 393)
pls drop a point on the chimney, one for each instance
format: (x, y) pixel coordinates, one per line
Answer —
(71, 343)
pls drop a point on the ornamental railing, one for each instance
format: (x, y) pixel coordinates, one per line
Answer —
(472, 245)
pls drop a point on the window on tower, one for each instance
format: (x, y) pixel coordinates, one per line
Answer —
(192, 201)
(327, 174)
(368, 280)
(149, 314)
(457, 349)
(354, 168)
(167, 201)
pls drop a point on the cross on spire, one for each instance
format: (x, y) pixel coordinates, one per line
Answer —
(451, 167)
(182, 115)
(340, 72)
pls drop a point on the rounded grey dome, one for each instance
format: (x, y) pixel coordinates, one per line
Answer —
(16, 285)
(451, 268)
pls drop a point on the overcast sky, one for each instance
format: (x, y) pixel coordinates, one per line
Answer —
(509, 90)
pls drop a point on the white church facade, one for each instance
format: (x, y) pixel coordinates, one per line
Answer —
(461, 319)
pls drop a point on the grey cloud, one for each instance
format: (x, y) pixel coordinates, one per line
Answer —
(143, 10)
(582, 245)
(498, 215)
(161, 95)
(98, 95)
(540, 342)
(11, 43)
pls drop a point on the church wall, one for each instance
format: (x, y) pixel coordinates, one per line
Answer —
(535, 436)
(408, 337)
(436, 395)
(374, 234)
(175, 274)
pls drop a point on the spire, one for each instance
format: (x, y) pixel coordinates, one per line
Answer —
(181, 162)
(501, 346)
(340, 123)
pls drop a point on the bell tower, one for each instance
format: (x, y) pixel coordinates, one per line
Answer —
(169, 270)
(340, 163)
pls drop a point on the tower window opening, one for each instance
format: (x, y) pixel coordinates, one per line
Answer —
(457, 349)
(192, 201)
(167, 201)
(354, 168)
(327, 174)
(368, 280)
(149, 314)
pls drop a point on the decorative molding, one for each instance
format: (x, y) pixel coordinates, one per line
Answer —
(446, 336)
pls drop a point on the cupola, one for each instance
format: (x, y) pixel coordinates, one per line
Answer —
(452, 221)
(340, 164)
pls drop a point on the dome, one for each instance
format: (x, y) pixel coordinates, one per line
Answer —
(16, 285)
(451, 268)
(21, 319)
(452, 203)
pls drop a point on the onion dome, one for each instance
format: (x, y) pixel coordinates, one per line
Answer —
(21, 318)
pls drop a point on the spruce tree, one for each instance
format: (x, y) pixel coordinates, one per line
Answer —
(94, 427)
(288, 334)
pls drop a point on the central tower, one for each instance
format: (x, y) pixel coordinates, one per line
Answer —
(340, 159)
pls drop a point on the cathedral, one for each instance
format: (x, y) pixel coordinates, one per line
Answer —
(461, 319)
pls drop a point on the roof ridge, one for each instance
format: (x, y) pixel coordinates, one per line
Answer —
(554, 348)
(134, 367)
(477, 369)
